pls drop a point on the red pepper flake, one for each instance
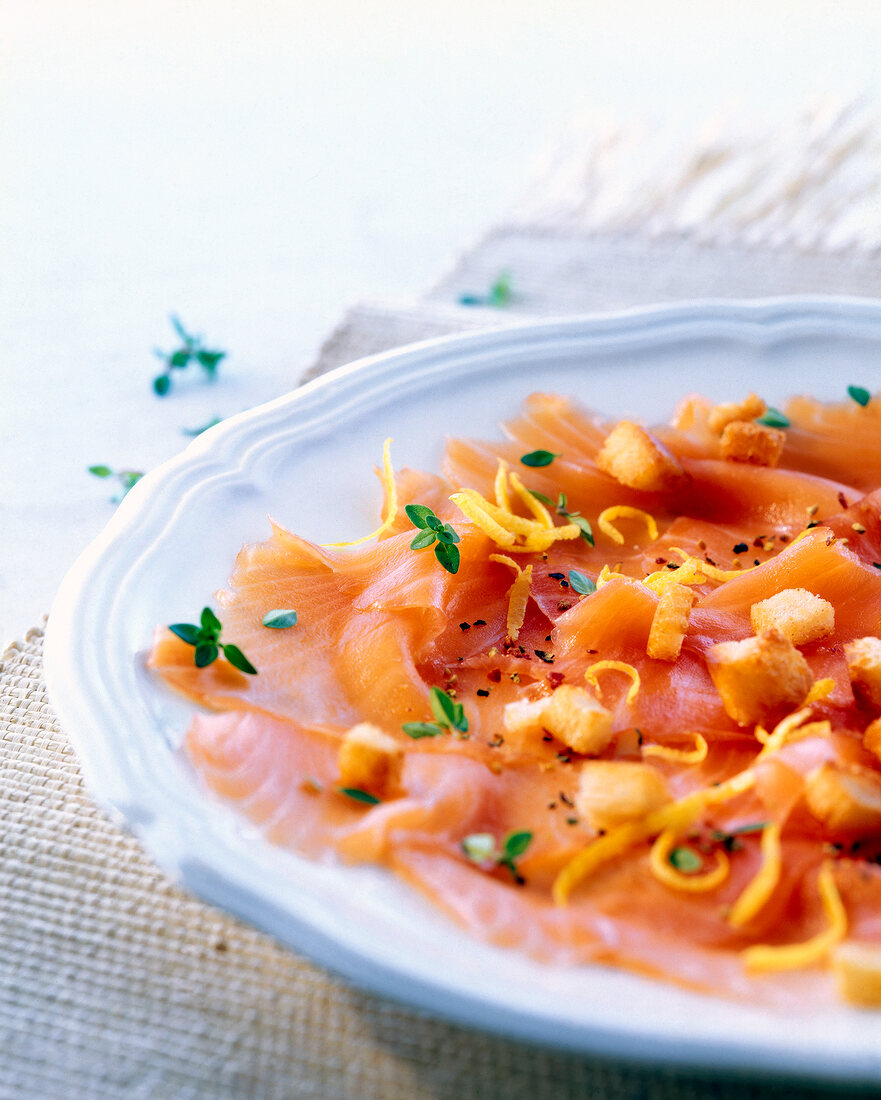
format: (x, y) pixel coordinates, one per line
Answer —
(701, 545)
(709, 560)
(842, 500)
(557, 678)
(660, 561)
(759, 541)
(784, 538)
(564, 605)
(494, 675)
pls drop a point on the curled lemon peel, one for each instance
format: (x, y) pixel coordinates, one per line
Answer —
(664, 871)
(500, 486)
(820, 689)
(517, 534)
(794, 956)
(688, 573)
(605, 575)
(758, 891)
(390, 489)
(693, 755)
(503, 559)
(614, 666)
(678, 816)
(518, 597)
(713, 572)
(794, 727)
(606, 521)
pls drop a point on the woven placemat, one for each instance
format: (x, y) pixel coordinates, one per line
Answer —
(116, 985)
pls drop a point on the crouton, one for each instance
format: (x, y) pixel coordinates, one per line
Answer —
(799, 615)
(370, 760)
(757, 444)
(863, 656)
(575, 717)
(670, 622)
(857, 968)
(846, 799)
(612, 792)
(523, 719)
(872, 738)
(635, 458)
(760, 678)
(722, 415)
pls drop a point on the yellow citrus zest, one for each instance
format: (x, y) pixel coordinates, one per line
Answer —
(756, 894)
(680, 756)
(606, 521)
(614, 666)
(390, 507)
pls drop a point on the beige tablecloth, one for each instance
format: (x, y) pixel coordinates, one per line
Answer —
(115, 985)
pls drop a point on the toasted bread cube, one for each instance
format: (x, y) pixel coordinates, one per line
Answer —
(857, 967)
(370, 760)
(723, 415)
(612, 792)
(575, 717)
(670, 622)
(759, 678)
(635, 458)
(863, 657)
(799, 615)
(524, 718)
(872, 738)
(846, 799)
(757, 444)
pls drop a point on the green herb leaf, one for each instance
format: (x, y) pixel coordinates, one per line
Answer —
(179, 359)
(360, 796)
(480, 847)
(238, 660)
(448, 556)
(423, 539)
(419, 514)
(773, 418)
(100, 471)
(447, 535)
(515, 844)
(583, 526)
(280, 619)
(582, 584)
(209, 359)
(191, 349)
(210, 622)
(187, 632)
(162, 384)
(544, 499)
(538, 458)
(417, 730)
(442, 706)
(859, 394)
(198, 431)
(500, 291)
(686, 861)
(206, 654)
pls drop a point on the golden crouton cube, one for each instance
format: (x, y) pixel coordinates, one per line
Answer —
(635, 458)
(759, 678)
(857, 967)
(872, 738)
(612, 792)
(523, 719)
(846, 799)
(670, 622)
(863, 656)
(799, 615)
(757, 444)
(576, 718)
(723, 415)
(370, 760)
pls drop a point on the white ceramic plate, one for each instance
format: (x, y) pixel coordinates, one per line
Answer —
(307, 460)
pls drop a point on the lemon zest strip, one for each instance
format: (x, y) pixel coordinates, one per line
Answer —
(794, 727)
(479, 516)
(542, 515)
(614, 666)
(820, 689)
(680, 756)
(500, 486)
(793, 956)
(677, 815)
(711, 571)
(606, 521)
(664, 871)
(688, 573)
(390, 489)
(503, 559)
(756, 893)
(517, 600)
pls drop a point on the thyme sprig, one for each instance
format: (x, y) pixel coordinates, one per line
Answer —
(125, 478)
(448, 714)
(482, 848)
(205, 638)
(562, 509)
(433, 530)
(191, 350)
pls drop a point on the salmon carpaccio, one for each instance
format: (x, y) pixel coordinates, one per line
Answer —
(380, 625)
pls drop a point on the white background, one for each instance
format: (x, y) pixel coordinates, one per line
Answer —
(257, 166)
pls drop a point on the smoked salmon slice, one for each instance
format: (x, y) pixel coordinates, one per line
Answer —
(491, 681)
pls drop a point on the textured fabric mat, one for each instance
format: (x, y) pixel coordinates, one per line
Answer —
(116, 985)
